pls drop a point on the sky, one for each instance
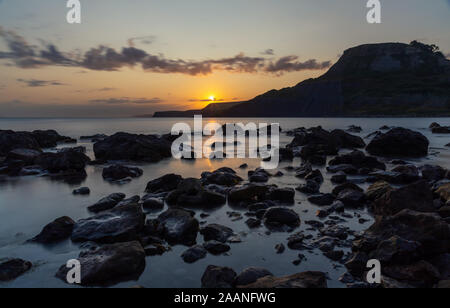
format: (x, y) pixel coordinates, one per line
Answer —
(136, 57)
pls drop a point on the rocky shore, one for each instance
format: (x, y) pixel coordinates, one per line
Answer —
(409, 204)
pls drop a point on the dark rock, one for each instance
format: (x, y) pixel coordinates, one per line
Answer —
(354, 129)
(399, 142)
(346, 186)
(279, 217)
(151, 203)
(154, 250)
(68, 162)
(345, 168)
(432, 173)
(221, 177)
(130, 201)
(10, 140)
(94, 138)
(82, 191)
(352, 198)
(248, 193)
(107, 203)
(306, 280)
(315, 175)
(283, 195)
(336, 231)
(334, 255)
(358, 160)
(119, 172)
(194, 254)
(14, 268)
(123, 146)
(348, 141)
(377, 190)
(295, 241)
(50, 138)
(253, 223)
(251, 275)
(243, 166)
(28, 156)
(417, 197)
(192, 194)
(218, 277)
(279, 248)
(120, 224)
(259, 176)
(440, 130)
(311, 187)
(339, 178)
(322, 199)
(303, 170)
(56, 231)
(216, 232)
(109, 264)
(396, 250)
(357, 265)
(165, 183)
(215, 247)
(420, 274)
(178, 226)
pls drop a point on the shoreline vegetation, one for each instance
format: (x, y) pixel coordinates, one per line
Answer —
(408, 203)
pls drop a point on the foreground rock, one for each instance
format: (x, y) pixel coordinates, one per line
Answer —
(165, 183)
(119, 172)
(107, 203)
(68, 163)
(120, 224)
(109, 264)
(178, 226)
(123, 146)
(218, 277)
(14, 268)
(281, 218)
(190, 193)
(306, 280)
(399, 142)
(56, 231)
(216, 232)
(223, 176)
(194, 254)
(251, 275)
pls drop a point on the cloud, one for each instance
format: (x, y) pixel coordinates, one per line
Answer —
(146, 40)
(34, 83)
(106, 89)
(128, 100)
(206, 100)
(268, 52)
(104, 58)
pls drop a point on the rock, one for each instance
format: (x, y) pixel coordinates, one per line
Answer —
(10, 140)
(348, 141)
(120, 224)
(339, 178)
(150, 203)
(432, 173)
(346, 186)
(216, 232)
(107, 203)
(377, 190)
(216, 248)
(123, 146)
(303, 170)
(315, 175)
(434, 125)
(399, 142)
(28, 156)
(345, 168)
(357, 265)
(130, 201)
(154, 250)
(259, 176)
(221, 177)
(420, 274)
(50, 138)
(311, 187)
(322, 199)
(352, 198)
(444, 211)
(405, 174)
(14, 268)
(295, 241)
(279, 217)
(218, 277)
(279, 248)
(251, 275)
(190, 193)
(248, 193)
(396, 250)
(119, 172)
(443, 284)
(109, 264)
(334, 255)
(178, 226)
(354, 129)
(336, 231)
(306, 280)
(82, 191)
(56, 231)
(94, 138)
(444, 192)
(194, 254)
(243, 166)
(165, 183)
(283, 195)
(417, 197)
(442, 263)
(358, 160)
(440, 130)
(253, 223)
(66, 163)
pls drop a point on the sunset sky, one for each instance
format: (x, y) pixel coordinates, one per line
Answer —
(140, 56)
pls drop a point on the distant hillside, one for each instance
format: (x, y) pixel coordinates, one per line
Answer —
(390, 79)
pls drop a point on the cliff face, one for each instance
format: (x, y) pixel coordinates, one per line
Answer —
(376, 79)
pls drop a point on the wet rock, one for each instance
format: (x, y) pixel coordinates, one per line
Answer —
(130, 201)
(165, 183)
(259, 176)
(10, 140)
(190, 193)
(28, 156)
(417, 197)
(109, 264)
(354, 129)
(420, 274)
(251, 275)
(339, 178)
(120, 224)
(440, 130)
(279, 174)
(82, 191)
(346, 186)
(334, 255)
(358, 160)
(124, 146)
(295, 241)
(303, 170)
(66, 163)
(13, 268)
(280, 217)
(396, 250)
(94, 138)
(248, 193)
(444, 192)
(432, 173)
(336, 231)
(315, 175)
(56, 231)
(357, 265)
(306, 280)
(311, 187)
(218, 277)
(279, 248)
(50, 138)
(119, 172)
(194, 254)
(221, 177)
(283, 195)
(322, 199)
(352, 198)
(395, 177)
(253, 223)
(178, 226)
(348, 141)
(260, 206)
(216, 232)
(243, 166)
(377, 190)
(107, 203)
(399, 142)
(345, 168)
(215, 247)
(151, 203)
(154, 250)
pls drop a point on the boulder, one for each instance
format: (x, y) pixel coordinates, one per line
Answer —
(432, 173)
(221, 177)
(64, 163)
(358, 159)
(28, 156)
(119, 172)
(311, 187)
(178, 226)
(50, 138)
(251, 275)
(283, 195)
(10, 140)
(56, 231)
(194, 254)
(306, 280)
(377, 190)
(444, 192)
(11, 269)
(248, 193)
(218, 277)
(399, 142)
(82, 191)
(165, 183)
(348, 141)
(107, 203)
(279, 217)
(190, 193)
(120, 224)
(124, 146)
(216, 232)
(352, 198)
(216, 248)
(259, 176)
(109, 264)
(322, 199)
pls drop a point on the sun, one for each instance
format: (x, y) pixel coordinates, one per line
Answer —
(212, 98)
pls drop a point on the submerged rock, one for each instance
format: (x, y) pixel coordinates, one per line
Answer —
(56, 231)
(14, 268)
(109, 264)
(306, 280)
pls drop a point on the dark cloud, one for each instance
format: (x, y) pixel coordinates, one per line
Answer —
(103, 58)
(106, 89)
(206, 100)
(128, 100)
(146, 40)
(34, 83)
(268, 52)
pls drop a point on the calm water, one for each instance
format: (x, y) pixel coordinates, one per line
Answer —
(29, 203)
